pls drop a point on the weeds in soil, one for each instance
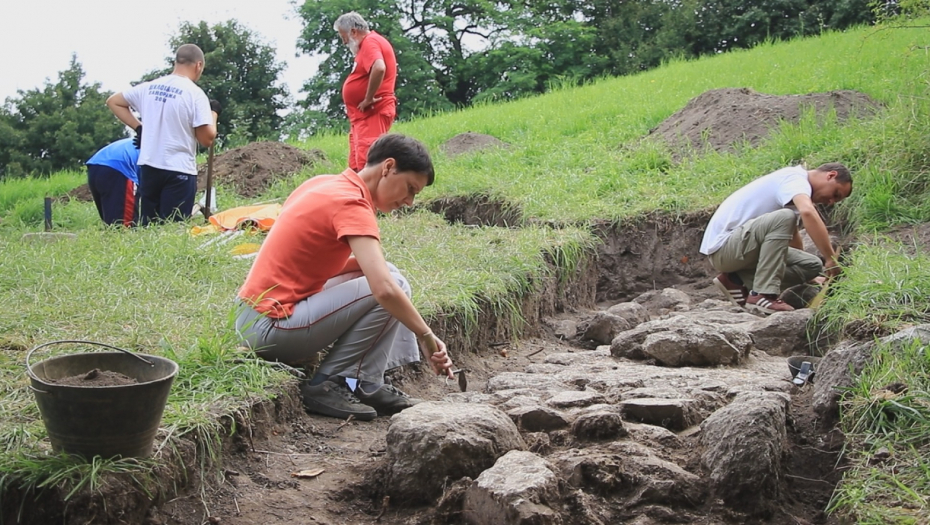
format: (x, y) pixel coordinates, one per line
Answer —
(886, 417)
(885, 287)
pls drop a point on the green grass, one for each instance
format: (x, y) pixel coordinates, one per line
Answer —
(893, 489)
(158, 290)
(575, 156)
(885, 287)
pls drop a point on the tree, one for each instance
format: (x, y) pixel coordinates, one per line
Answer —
(57, 127)
(241, 74)
(433, 42)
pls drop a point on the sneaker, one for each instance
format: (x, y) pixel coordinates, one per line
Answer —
(334, 399)
(735, 293)
(768, 303)
(387, 400)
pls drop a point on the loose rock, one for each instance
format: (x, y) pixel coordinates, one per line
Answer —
(433, 443)
(521, 488)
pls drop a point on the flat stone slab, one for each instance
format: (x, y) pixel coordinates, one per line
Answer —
(575, 398)
(674, 414)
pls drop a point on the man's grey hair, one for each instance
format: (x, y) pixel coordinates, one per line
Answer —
(350, 21)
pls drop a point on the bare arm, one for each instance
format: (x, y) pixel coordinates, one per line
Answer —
(817, 231)
(118, 105)
(388, 293)
(206, 134)
(375, 76)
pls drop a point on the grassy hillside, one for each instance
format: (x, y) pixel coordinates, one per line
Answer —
(575, 155)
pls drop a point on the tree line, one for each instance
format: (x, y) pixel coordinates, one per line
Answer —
(450, 54)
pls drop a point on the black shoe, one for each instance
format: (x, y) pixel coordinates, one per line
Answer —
(335, 400)
(387, 400)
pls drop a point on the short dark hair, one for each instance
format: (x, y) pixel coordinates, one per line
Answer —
(842, 172)
(188, 54)
(409, 153)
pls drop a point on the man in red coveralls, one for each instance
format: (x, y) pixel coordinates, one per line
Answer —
(368, 92)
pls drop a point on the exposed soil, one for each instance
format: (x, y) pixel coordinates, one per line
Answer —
(80, 194)
(343, 462)
(249, 170)
(253, 168)
(721, 119)
(95, 378)
(469, 142)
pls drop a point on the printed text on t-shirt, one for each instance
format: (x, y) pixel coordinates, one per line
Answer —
(162, 92)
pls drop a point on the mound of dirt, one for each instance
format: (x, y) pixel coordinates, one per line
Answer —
(722, 118)
(251, 169)
(80, 194)
(468, 142)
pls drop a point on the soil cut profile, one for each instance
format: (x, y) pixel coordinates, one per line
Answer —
(723, 118)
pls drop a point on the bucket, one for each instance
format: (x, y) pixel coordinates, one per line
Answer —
(104, 421)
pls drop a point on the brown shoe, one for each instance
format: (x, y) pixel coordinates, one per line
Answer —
(768, 303)
(735, 293)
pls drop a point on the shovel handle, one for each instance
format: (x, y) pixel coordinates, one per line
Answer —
(207, 199)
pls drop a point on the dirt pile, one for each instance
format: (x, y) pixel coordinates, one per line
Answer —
(722, 118)
(468, 142)
(249, 170)
(253, 168)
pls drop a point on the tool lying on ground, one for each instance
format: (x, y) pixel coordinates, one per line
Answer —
(802, 368)
(804, 374)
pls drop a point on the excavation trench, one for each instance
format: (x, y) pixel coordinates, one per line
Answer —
(280, 465)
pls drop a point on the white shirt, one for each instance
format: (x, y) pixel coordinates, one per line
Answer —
(170, 108)
(763, 195)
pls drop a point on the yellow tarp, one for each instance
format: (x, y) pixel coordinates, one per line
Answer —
(260, 217)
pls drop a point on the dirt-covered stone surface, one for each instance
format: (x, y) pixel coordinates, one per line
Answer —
(253, 168)
(634, 395)
(721, 119)
(614, 439)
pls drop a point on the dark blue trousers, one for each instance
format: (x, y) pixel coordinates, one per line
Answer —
(165, 195)
(114, 195)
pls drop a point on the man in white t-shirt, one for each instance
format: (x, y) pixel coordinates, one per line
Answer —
(753, 238)
(177, 116)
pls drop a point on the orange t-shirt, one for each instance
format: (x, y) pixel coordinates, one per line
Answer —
(372, 48)
(307, 245)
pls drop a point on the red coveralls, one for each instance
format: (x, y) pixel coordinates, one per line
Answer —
(366, 126)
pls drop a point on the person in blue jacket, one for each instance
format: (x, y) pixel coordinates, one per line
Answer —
(113, 175)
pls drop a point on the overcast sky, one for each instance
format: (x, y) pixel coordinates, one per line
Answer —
(118, 41)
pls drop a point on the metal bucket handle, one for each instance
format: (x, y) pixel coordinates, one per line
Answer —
(75, 341)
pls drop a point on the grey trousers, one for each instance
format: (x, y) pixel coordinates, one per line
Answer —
(758, 252)
(366, 339)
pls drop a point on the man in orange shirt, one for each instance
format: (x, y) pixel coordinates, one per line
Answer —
(320, 279)
(368, 92)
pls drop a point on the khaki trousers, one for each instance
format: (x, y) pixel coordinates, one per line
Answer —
(758, 252)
